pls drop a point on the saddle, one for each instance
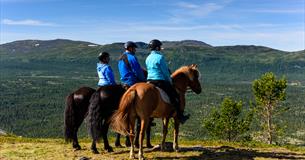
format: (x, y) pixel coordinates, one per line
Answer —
(164, 95)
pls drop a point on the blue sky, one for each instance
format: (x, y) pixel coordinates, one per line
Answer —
(277, 24)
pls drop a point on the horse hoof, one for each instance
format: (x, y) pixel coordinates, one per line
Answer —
(136, 145)
(77, 147)
(132, 157)
(141, 157)
(94, 151)
(149, 146)
(127, 144)
(118, 145)
(109, 149)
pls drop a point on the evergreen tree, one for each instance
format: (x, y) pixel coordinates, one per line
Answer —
(268, 92)
(228, 122)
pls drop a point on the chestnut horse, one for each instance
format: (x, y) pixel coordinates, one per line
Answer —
(144, 100)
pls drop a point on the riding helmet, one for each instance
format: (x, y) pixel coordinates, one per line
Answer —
(153, 44)
(103, 55)
(130, 44)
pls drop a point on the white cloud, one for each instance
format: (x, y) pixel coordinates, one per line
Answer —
(26, 22)
(187, 5)
(282, 11)
(187, 12)
(197, 10)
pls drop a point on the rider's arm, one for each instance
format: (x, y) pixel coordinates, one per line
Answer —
(109, 75)
(136, 68)
(164, 70)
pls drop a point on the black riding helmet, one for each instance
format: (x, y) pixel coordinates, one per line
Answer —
(103, 55)
(153, 44)
(130, 44)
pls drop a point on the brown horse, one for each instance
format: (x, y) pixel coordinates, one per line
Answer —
(144, 100)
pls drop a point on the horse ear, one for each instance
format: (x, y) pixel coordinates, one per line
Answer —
(194, 66)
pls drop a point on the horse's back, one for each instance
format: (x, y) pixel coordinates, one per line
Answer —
(86, 91)
(149, 101)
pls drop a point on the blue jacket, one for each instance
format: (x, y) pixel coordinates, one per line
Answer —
(132, 73)
(156, 67)
(105, 75)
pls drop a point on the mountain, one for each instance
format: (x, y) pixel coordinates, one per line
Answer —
(192, 43)
(61, 48)
(29, 46)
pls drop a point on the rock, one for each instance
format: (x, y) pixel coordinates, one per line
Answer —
(168, 147)
(2, 132)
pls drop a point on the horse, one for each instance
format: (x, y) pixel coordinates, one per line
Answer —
(97, 105)
(76, 110)
(144, 100)
(103, 103)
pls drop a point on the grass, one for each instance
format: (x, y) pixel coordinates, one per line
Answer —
(12, 147)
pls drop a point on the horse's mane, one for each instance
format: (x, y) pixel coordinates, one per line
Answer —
(185, 70)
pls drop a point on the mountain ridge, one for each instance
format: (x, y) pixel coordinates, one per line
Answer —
(25, 45)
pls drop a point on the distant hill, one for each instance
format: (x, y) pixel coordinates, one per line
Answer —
(29, 46)
(192, 43)
(68, 48)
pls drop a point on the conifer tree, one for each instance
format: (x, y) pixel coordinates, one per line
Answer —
(268, 92)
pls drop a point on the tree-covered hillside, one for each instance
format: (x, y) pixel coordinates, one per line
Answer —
(37, 75)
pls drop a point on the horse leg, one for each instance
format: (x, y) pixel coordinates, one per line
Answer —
(127, 141)
(107, 147)
(93, 147)
(138, 123)
(144, 123)
(165, 127)
(176, 133)
(148, 144)
(117, 142)
(131, 137)
(75, 144)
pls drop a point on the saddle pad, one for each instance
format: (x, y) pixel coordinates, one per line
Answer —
(78, 96)
(164, 96)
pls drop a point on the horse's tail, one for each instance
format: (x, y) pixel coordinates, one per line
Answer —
(69, 118)
(95, 117)
(120, 120)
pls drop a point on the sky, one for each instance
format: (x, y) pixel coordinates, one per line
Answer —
(279, 24)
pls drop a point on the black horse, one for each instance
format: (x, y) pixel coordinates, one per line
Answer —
(76, 110)
(98, 107)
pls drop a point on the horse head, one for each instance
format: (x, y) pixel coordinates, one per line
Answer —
(187, 76)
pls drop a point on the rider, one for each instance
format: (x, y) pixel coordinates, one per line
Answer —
(131, 73)
(129, 67)
(159, 75)
(104, 70)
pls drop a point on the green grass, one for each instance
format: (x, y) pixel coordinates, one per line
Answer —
(12, 147)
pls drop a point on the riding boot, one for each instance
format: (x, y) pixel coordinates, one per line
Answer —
(182, 118)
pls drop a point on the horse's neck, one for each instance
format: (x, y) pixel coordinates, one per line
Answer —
(180, 84)
(181, 87)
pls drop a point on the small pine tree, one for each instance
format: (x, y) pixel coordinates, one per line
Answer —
(228, 123)
(268, 92)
